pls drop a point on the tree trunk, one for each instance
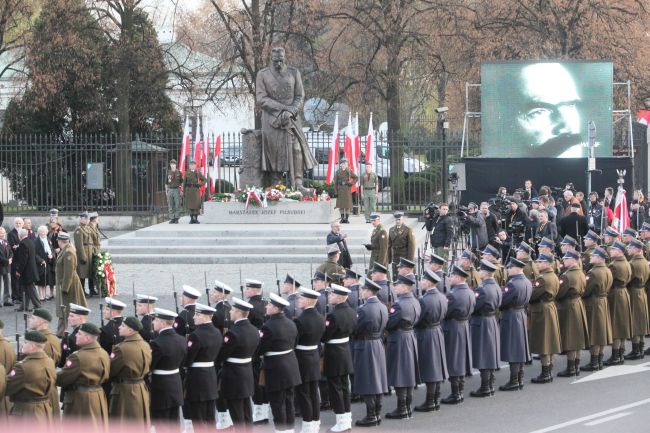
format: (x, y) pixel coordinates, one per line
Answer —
(123, 169)
(395, 138)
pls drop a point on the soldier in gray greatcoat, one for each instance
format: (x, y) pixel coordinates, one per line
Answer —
(485, 329)
(514, 324)
(351, 281)
(458, 348)
(379, 275)
(431, 343)
(402, 350)
(436, 264)
(370, 379)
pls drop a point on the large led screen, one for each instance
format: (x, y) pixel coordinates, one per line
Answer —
(543, 108)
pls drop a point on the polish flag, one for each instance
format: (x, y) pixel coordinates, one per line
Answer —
(371, 151)
(621, 219)
(334, 152)
(185, 147)
(349, 148)
(204, 159)
(215, 161)
(198, 147)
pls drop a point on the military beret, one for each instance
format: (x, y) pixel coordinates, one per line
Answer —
(571, 255)
(333, 249)
(525, 248)
(114, 304)
(43, 314)
(600, 252)
(90, 328)
(339, 290)
(545, 258)
(204, 309)
(618, 245)
(240, 304)
(35, 337)
(374, 216)
(635, 243)
(378, 267)
(489, 249)
(405, 263)
(371, 285)
(290, 279)
(278, 301)
(79, 309)
(611, 231)
(164, 314)
(515, 263)
(546, 242)
(593, 236)
(191, 292)
(436, 259)
(488, 266)
(431, 276)
(145, 299)
(63, 236)
(457, 270)
(222, 287)
(309, 293)
(133, 323)
(349, 273)
(568, 240)
(408, 279)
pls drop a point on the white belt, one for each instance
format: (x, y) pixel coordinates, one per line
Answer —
(338, 340)
(284, 352)
(165, 372)
(301, 347)
(239, 360)
(202, 364)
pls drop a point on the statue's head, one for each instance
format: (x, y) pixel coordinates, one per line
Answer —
(278, 58)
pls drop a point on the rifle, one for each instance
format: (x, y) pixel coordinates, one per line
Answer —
(277, 280)
(311, 275)
(101, 314)
(17, 338)
(241, 284)
(175, 295)
(135, 301)
(365, 264)
(207, 289)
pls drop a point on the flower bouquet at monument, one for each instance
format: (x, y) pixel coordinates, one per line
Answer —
(273, 194)
(252, 195)
(222, 197)
(105, 274)
(293, 195)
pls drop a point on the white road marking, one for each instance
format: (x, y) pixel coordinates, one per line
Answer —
(607, 419)
(614, 371)
(593, 416)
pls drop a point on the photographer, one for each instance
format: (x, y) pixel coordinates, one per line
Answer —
(637, 210)
(504, 243)
(473, 219)
(545, 228)
(439, 225)
(515, 216)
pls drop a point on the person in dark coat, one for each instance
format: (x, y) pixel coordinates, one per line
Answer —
(145, 306)
(337, 362)
(340, 239)
(320, 282)
(184, 323)
(431, 343)
(237, 381)
(379, 276)
(485, 329)
(253, 292)
(514, 324)
(14, 240)
(573, 224)
(458, 347)
(6, 255)
(290, 289)
(167, 356)
(311, 326)
(201, 390)
(370, 379)
(221, 317)
(351, 281)
(280, 366)
(26, 270)
(436, 265)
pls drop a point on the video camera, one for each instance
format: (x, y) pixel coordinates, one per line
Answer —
(431, 212)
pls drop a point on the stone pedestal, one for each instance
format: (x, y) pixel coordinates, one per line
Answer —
(251, 161)
(286, 212)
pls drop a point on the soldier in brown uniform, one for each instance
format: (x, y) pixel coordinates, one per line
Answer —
(591, 241)
(574, 334)
(31, 381)
(547, 246)
(378, 243)
(68, 286)
(344, 179)
(331, 266)
(619, 302)
(544, 331)
(569, 244)
(192, 184)
(401, 242)
(173, 190)
(523, 254)
(7, 360)
(466, 262)
(82, 377)
(493, 256)
(3, 386)
(130, 360)
(599, 281)
(96, 240)
(40, 321)
(638, 298)
(83, 244)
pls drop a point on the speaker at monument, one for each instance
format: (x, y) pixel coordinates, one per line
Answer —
(95, 175)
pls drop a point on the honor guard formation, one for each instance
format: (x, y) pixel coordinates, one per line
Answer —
(231, 362)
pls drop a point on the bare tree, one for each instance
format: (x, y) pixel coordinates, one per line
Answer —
(15, 25)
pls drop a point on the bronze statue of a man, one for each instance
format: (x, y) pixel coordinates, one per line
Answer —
(280, 95)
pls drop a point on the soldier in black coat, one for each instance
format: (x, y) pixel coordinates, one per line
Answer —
(311, 326)
(320, 282)
(219, 297)
(184, 323)
(379, 276)
(237, 381)
(289, 288)
(431, 342)
(201, 388)
(167, 356)
(77, 316)
(280, 366)
(110, 331)
(402, 350)
(337, 366)
(145, 306)
(369, 361)
(253, 292)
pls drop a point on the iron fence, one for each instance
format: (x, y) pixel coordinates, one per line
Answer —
(113, 175)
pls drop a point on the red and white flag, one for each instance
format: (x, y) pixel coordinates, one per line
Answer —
(185, 147)
(621, 219)
(350, 149)
(643, 116)
(198, 146)
(371, 151)
(204, 158)
(215, 161)
(334, 152)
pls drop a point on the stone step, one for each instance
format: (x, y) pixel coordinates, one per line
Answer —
(277, 231)
(215, 241)
(319, 249)
(306, 259)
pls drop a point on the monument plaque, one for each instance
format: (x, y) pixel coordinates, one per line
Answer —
(285, 212)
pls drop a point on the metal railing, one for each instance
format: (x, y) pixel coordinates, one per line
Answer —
(110, 174)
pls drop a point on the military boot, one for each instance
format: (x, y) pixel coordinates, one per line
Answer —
(436, 396)
(493, 379)
(576, 366)
(429, 404)
(520, 376)
(634, 353)
(513, 383)
(614, 359)
(409, 402)
(600, 361)
(371, 418)
(454, 397)
(545, 376)
(570, 369)
(484, 390)
(641, 349)
(400, 411)
(593, 364)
